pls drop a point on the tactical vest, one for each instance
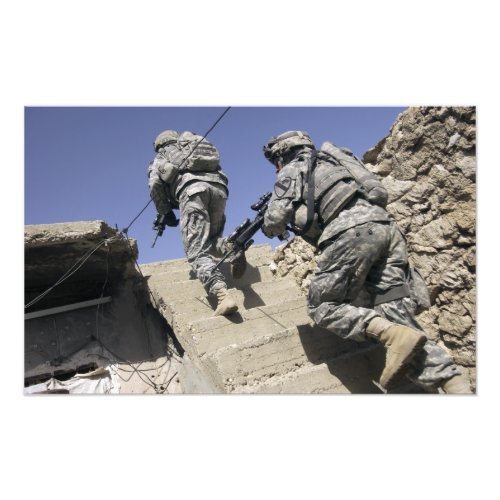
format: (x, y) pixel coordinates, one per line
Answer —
(334, 187)
(369, 185)
(328, 187)
(337, 176)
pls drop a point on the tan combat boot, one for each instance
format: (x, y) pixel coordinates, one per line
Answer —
(239, 266)
(225, 303)
(458, 384)
(401, 343)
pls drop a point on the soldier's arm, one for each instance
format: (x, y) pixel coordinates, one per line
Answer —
(157, 188)
(278, 216)
(282, 204)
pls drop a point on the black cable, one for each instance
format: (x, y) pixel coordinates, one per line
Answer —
(102, 293)
(148, 381)
(139, 268)
(125, 229)
(79, 263)
(72, 270)
(83, 259)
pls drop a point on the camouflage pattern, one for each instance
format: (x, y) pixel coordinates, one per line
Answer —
(287, 193)
(362, 250)
(166, 183)
(202, 222)
(290, 190)
(201, 198)
(371, 186)
(165, 137)
(278, 146)
(372, 257)
(433, 365)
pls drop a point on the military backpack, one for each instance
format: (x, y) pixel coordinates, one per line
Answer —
(369, 185)
(192, 153)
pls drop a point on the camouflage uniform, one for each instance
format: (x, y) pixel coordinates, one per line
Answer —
(362, 248)
(201, 199)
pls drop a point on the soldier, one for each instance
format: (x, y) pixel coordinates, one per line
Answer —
(342, 212)
(186, 174)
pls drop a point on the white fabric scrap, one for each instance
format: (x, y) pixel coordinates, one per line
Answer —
(100, 381)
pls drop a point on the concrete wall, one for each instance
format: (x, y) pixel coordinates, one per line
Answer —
(128, 330)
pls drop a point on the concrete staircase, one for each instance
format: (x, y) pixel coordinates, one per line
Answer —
(269, 346)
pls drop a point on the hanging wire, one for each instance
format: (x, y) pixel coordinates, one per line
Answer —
(159, 388)
(72, 270)
(102, 294)
(125, 229)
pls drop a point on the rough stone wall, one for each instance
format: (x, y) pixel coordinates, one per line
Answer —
(427, 163)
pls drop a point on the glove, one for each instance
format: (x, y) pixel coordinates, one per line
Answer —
(171, 220)
(263, 229)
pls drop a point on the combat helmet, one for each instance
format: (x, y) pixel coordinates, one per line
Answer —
(165, 137)
(279, 145)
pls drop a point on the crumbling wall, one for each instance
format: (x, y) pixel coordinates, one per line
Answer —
(427, 163)
(72, 263)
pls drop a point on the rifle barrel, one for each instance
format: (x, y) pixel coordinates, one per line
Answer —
(156, 237)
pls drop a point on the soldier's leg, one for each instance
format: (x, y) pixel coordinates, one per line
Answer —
(216, 208)
(433, 365)
(198, 225)
(195, 230)
(220, 245)
(342, 270)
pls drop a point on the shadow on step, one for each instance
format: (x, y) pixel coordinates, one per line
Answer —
(252, 275)
(251, 299)
(355, 364)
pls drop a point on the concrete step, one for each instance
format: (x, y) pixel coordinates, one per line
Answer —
(192, 308)
(276, 354)
(257, 255)
(253, 274)
(163, 266)
(208, 335)
(357, 374)
(256, 294)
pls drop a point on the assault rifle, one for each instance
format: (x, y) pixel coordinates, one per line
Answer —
(161, 221)
(241, 238)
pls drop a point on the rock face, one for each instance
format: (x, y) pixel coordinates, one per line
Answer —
(428, 165)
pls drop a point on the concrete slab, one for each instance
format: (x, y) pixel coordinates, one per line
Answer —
(348, 375)
(257, 322)
(279, 353)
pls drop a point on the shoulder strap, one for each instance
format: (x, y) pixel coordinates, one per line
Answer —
(310, 192)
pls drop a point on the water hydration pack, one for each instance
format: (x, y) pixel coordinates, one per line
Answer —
(369, 185)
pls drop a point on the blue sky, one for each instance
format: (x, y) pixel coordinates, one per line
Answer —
(89, 163)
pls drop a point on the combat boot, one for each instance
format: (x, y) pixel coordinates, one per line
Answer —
(401, 343)
(225, 303)
(239, 266)
(458, 384)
